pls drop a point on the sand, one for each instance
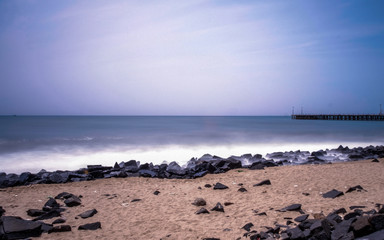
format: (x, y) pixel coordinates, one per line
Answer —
(170, 215)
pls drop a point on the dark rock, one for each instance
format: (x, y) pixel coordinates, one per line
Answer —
(247, 227)
(379, 235)
(175, 168)
(327, 228)
(265, 182)
(295, 233)
(375, 160)
(90, 226)
(200, 174)
(64, 195)
(305, 194)
(339, 211)
(354, 207)
(18, 228)
(306, 224)
(333, 194)
(199, 202)
(301, 218)
(51, 204)
(58, 177)
(293, 207)
(46, 227)
(355, 188)
(35, 212)
(2, 211)
(211, 238)
(261, 214)
(202, 211)
(284, 236)
(208, 185)
(242, 190)
(362, 227)
(218, 208)
(341, 229)
(156, 192)
(60, 228)
(25, 177)
(147, 173)
(219, 186)
(72, 201)
(228, 203)
(136, 200)
(289, 222)
(59, 220)
(88, 213)
(377, 221)
(351, 215)
(257, 166)
(48, 215)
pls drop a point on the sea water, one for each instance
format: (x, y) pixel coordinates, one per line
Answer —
(31, 143)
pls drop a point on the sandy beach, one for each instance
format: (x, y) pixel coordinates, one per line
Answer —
(171, 215)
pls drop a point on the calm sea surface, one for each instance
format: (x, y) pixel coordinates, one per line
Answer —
(67, 143)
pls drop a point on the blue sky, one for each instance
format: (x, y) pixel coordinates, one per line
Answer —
(191, 57)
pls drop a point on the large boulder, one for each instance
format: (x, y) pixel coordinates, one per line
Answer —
(175, 168)
(18, 228)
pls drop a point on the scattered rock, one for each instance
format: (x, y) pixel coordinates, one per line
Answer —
(72, 201)
(355, 207)
(50, 204)
(265, 182)
(60, 228)
(208, 185)
(293, 207)
(301, 218)
(248, 226)
(228, 203)
(220, 186)
(156, 192)
(218, 208)
(35, 212)
(242, 190)
(90, 226)
(305, 194)
(88, 214)
(202, 211)
(199, 202)
(333, 194)
(59, 220)
(355, 188)
(261, 214)
(375, 160)
(136, 200)
(48, 215)
(18, 228)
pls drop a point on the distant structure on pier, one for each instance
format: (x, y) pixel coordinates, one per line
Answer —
(359, 117)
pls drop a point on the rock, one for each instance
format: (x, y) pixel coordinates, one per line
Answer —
(332, 194)
(25, 177)
(202, 211)
(147, 173)
(354, 207)
(377, 221)
(362, 227)
(339, 211)
(59, 220)
(265, 182)
(316, 227)
(18, 228)
(375, 160)
(351, 215)
(295, 233)
(90, 226)
(341, 229)
(261, 214)
(64, 195)
(136, 200)
(2, 211)
(355, 188)
(218, 208)
(58, 177)
(48, 215)
(35, 212)
(60, 228)
(306, 224)
(219, 186)
(156, 192)
(72, 201)
(228, 203)
(242, 190)
(88, 214)
(208, 185)
(200, 174)
(293, 207)
(175, 168)
(199, 202)
(257, 166)
(211, 238)
(301, 218)
(248, 226)
(379, 235)
(51, 204)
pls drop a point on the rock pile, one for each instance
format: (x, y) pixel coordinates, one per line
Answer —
(195, 168)
(14, 227)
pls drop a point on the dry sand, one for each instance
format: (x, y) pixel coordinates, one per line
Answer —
(170, 215)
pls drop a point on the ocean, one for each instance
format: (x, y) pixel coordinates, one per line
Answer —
(32, 143)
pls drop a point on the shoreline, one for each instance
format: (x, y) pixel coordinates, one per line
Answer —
(129, 209)
(195, 168)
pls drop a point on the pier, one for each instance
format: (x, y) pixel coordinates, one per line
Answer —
(344, 117)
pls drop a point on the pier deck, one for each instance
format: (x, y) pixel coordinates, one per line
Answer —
(359, 117)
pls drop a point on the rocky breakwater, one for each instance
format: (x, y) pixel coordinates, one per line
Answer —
(195, 168)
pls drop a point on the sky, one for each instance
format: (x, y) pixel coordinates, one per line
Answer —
(191, 57)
